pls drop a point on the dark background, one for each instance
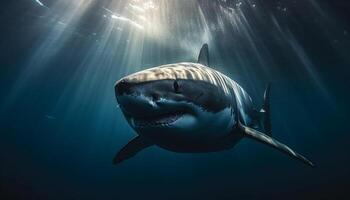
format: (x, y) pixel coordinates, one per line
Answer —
(59, 126)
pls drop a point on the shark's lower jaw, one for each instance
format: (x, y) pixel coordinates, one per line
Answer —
(157, 121)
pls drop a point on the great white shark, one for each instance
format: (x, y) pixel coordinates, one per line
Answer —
(190, 107)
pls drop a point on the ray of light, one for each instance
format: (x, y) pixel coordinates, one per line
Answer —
(39, 2)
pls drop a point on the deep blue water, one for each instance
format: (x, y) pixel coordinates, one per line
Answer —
(60, 125)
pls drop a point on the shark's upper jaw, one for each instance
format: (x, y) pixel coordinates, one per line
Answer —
(145, 112)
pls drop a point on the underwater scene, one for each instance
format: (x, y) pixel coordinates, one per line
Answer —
(175, 99)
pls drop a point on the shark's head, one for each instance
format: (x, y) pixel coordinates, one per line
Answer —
(175, 103)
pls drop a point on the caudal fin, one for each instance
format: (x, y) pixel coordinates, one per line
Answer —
(265, 111)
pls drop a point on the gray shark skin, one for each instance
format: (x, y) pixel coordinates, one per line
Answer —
(189, 107)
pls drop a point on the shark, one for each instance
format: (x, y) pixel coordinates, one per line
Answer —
(191, 108)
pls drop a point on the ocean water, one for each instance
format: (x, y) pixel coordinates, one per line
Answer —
(60, 125)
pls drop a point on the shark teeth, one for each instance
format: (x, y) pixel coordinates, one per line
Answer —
(161, 120)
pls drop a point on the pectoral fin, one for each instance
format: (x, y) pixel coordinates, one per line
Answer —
(261, 137)
(131, 149)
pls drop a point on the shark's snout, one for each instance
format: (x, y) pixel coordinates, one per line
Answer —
(133, 99)
(123, 87)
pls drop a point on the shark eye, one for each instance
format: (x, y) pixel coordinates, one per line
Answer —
(176, 86)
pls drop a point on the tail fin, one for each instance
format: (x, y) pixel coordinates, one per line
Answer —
(265, 110)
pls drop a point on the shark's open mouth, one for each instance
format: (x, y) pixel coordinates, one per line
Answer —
(159, 120)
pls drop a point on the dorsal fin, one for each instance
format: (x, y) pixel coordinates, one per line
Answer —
(203, 57)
